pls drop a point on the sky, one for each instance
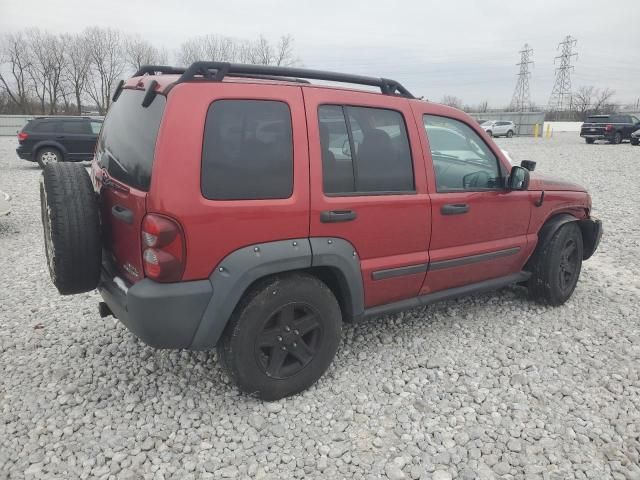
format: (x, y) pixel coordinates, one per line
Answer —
(464, 48)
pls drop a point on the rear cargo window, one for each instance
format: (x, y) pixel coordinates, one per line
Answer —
(598, 120)
(41, 127)
(128, 138)
(248, 151)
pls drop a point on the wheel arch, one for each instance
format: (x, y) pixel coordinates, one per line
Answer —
(51, 144)
(325, 258)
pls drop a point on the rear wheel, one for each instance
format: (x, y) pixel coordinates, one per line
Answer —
(510, 134)
(71, 226)
(617, 138)
(590, 140)
(556, 267)
(48, 155)
(490, 133)
(282, 336)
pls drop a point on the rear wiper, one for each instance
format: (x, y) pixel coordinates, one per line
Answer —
(113, 157)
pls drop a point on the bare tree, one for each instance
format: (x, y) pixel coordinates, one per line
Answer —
(602, 101)
(139, 51)
(582, 99)
(107, 64)
(452, 101)
(77, 64)
(14, 53)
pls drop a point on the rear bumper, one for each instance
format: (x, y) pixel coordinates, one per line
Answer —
(162, 315)
(24, 154)
(591, 234)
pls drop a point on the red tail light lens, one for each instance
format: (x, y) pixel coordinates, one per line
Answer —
(163, 248)
(22, 136)
(608, 128)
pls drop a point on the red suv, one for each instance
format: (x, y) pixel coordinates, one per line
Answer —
(242, 207)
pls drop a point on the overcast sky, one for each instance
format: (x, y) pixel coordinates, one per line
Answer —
(464, 48)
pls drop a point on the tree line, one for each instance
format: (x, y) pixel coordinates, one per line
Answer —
(586, 100)
(46, 73)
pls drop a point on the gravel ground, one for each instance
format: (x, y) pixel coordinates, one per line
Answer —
(490, 386)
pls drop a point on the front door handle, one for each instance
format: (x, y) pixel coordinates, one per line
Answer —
(454, 209)
(333, 216)
(122, 213)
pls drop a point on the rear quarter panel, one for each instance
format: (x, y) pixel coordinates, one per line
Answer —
(214, 228)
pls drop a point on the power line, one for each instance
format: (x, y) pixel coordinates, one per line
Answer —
(521, 101)
(560, 99)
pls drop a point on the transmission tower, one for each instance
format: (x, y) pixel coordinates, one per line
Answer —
(520, 101)
(560, 99)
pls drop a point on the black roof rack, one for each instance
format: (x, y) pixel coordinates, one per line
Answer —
(216, 71)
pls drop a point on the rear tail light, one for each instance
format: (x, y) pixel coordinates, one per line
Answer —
(163, 248)
(22, 136)
(608, 128)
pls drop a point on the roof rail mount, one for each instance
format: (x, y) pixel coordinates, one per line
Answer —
(216, 71)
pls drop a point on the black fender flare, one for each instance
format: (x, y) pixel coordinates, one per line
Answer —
(240, 269)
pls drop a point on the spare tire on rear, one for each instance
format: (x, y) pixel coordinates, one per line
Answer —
(71, 223)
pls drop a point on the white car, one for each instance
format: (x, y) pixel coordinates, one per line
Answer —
(5, 208)
(499, 128)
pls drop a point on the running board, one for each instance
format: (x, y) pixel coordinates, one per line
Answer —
(434, 297)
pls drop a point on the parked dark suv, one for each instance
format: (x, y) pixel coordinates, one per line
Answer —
(58, 139)
(242, 207)
(614, 128)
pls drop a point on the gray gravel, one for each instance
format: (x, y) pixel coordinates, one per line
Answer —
(487, 387)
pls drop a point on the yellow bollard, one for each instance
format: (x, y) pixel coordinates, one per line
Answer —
(548, 131)
(535, 131)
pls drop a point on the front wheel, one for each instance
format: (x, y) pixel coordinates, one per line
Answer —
(282, 336)
(510, 134)
(556, 267)
(490, 133)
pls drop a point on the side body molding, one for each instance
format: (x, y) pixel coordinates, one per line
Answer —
(241, 268)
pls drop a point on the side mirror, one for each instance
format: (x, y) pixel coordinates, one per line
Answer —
(518, 179)
(528, 164)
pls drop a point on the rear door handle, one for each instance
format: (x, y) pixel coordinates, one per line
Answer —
(333, 216)
(454, 209)
(122, 213)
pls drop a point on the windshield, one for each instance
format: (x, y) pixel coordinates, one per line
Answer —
(128, 139)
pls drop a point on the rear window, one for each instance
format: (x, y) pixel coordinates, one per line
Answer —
(598, 120)
(128, 138)
(248, 151)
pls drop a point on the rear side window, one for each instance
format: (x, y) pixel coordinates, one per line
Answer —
(248, 151)
(74, 127)
(364, 150)
(128, 140)
(41, 127)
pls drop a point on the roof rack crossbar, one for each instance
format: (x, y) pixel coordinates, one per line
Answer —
(222, 69)
(154, 69)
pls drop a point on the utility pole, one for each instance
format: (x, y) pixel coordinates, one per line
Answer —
(560, 99)
(521, 101)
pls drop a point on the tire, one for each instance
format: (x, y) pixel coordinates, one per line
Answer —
(71, 224)
(264, 349)
(551, 282)
(48, 155)
(590, 140)
(490, 133)
(617, 138)
(510, 134)
(635, 141)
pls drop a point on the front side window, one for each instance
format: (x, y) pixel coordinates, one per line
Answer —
(364, 150)
(461, 160)
(248, 151)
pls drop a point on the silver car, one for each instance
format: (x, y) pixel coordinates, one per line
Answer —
(499, 128)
